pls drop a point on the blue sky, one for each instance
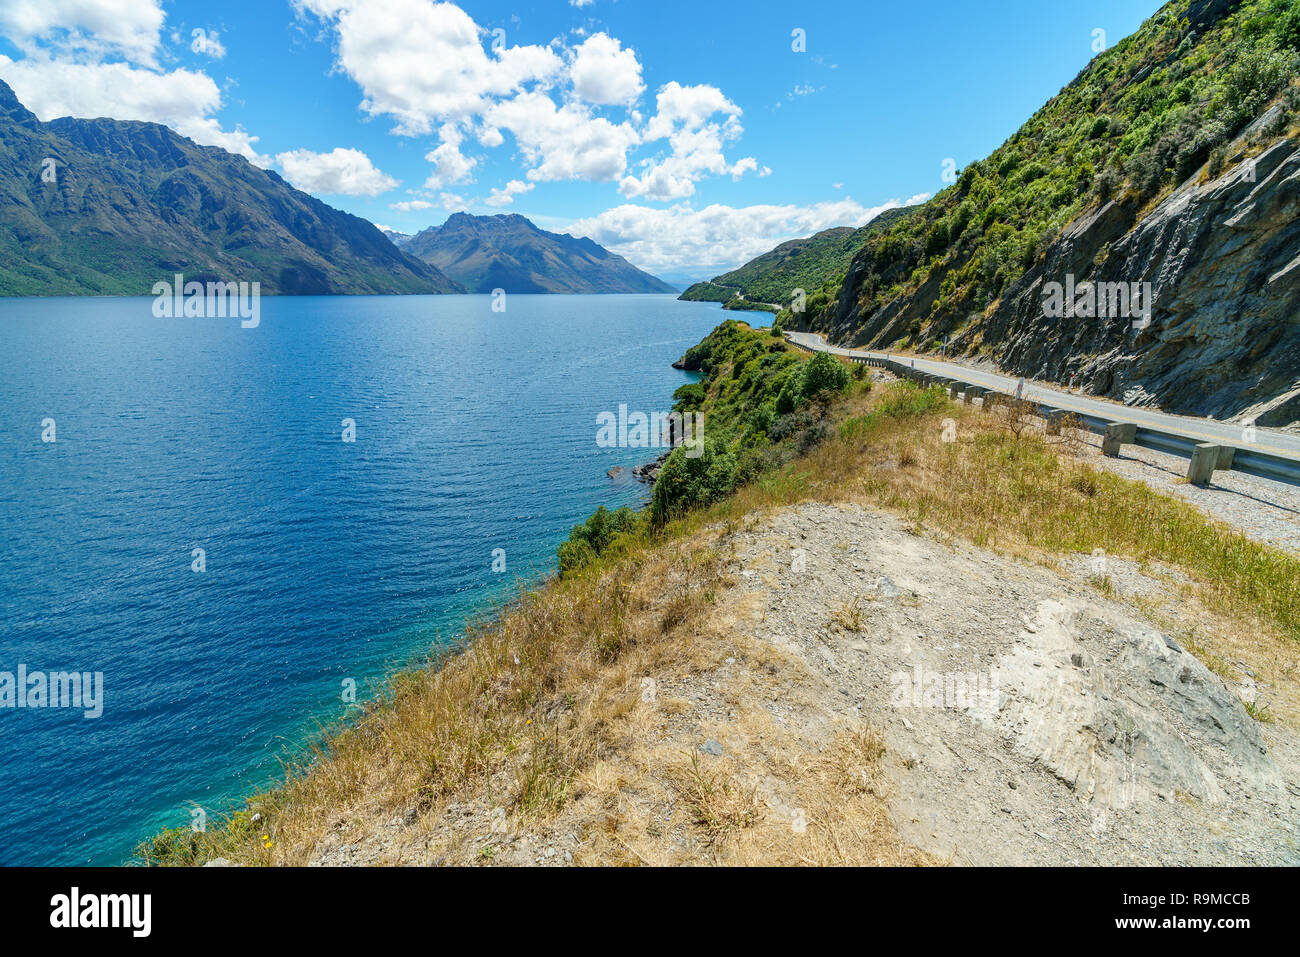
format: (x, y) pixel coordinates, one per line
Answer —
(686, 136)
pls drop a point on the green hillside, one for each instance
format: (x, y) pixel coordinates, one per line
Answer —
(815, 265)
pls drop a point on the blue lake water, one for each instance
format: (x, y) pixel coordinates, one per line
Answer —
(325, 560)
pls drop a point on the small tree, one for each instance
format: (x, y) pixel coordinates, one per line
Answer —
(824, 371)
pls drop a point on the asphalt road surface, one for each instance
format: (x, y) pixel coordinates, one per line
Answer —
(1205, 430)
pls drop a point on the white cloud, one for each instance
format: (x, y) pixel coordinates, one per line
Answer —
(688, 107)
(65, 69)
(506, 195)
(181, 99)
(85, 28)
(341, 172)
(563, 143)
(716, 238)
(206, 131)
(604, 73)
(411, 205)
(423, 63)
(450, 165)
(688, 117)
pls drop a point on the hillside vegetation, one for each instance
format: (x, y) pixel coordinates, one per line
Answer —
(1142, 117)
(816, 265)
(536, 732)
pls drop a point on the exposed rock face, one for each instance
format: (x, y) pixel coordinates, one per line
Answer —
(1223, 260)
(1133, 718)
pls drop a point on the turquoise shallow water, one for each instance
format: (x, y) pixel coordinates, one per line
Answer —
(325, 560)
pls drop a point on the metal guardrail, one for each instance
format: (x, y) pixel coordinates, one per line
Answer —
(1249, 461)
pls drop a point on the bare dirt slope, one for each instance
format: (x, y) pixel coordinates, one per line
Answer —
(857, 693)
(1086, 736)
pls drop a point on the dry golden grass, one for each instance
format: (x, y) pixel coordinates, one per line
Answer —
(544, 716)
(543, 713)
(1026, 495)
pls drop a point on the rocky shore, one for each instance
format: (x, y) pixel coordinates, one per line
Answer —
(642, 473)
(650, 471)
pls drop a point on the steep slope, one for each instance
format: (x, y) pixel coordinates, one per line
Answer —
(508, 252)
(815, 264)
(1170, 160)
(92, 207)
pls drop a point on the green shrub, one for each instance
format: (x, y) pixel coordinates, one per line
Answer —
(788, 425)
(905, 399)
(823, 371)
(814, 436)
(590, 539)
(685, 483)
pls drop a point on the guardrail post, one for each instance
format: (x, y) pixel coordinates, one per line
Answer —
(1206, 459)
(973, 392)
(1117, 434)
(1054, 417)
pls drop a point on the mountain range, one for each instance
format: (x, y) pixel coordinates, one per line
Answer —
(106, 207)
(1171, 163)
(508, 252)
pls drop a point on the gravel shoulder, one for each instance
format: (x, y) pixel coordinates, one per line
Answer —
(1266, 511)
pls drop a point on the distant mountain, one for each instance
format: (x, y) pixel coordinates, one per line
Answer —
(104, 207)
(508, 252)
(396, 238)
(807, 264)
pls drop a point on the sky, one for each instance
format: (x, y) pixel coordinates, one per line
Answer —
(687, 136)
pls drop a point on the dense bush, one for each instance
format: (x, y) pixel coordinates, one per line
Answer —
(592, 538)
(824, 371)
(788, 425)
(685, 483)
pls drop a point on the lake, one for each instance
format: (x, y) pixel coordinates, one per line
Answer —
(201, 532)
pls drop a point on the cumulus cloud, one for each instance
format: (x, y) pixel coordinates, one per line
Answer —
(567, 142)
(93, 58)
(697, 121)
(340, 172)
(506, 194)
(423, 63)
(450, 165)
(411, 205)
(716, 238)
(603, 72)
(181, 99)
(85, 28)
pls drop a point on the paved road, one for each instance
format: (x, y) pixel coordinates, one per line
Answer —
(1206, 430)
